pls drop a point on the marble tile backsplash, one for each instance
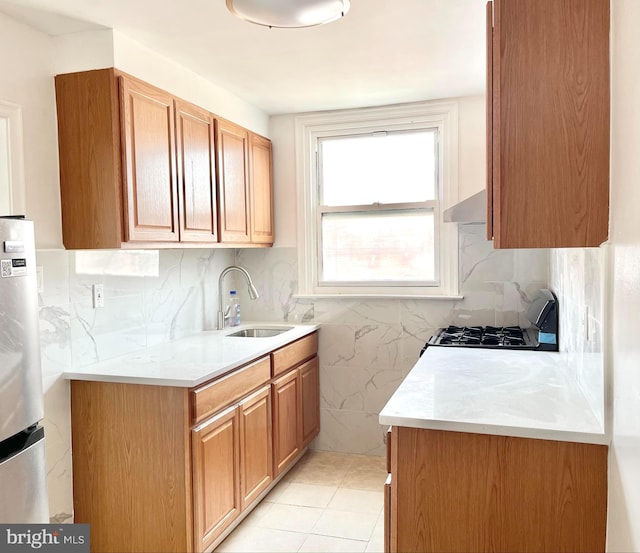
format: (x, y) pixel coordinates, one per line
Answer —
(577, 276)
(150, 297)
(367, 347)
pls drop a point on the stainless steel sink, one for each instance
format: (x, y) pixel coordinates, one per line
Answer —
(258, 332)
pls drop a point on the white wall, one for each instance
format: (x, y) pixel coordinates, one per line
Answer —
(25, 79)
(471, 162)
(110, 48)
(184, 298)
(624, 353)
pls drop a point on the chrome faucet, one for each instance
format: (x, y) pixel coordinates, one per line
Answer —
(253, 293)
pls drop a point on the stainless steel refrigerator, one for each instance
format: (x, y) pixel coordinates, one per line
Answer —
(23, 487)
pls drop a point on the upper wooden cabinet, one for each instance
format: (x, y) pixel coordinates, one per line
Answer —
(149, 155)
(233, 164)
(195, 137)
(141, 168)
(261, 189)
(548, 123)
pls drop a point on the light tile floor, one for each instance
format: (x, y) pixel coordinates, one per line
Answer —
(329, 502)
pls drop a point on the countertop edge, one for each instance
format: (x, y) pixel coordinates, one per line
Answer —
(93, 373)
(497, 430)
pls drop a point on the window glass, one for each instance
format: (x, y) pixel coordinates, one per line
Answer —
(384, 167)
(382, 247)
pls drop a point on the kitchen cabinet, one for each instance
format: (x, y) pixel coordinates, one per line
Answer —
(457, 491)
(216, 476)
(195, 137)
(548, 116)
(233, 163)
(149, 157)
(310, 403)
(174, 469)
(255, 446)
(231, 448)
(296, 402)
(141, 168)
(261, 189)
(286, 420)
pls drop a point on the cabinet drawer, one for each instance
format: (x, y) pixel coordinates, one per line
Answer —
(212, 397)
(295, 353)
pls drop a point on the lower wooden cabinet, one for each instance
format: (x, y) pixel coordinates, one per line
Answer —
(296, 412)
(387, 515)
(310, 403)
(456, 491)
(164, 469)
(216, 475)
(255, 446)
(287, 432)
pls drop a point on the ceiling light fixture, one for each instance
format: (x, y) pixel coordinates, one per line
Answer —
(289, 13)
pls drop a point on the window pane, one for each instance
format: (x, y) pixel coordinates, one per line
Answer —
(386, 168)
(382, 247)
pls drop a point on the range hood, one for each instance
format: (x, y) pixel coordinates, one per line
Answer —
(471, 210)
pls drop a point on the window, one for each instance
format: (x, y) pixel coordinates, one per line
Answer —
(373, 186)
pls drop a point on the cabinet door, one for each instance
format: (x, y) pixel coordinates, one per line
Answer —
(310, 404)
(387, 514)
(233, 188)
(551, 123)
(149, 157)
(255, 445)
(216, 476)
(489, 134)
(261, 190)
(287, 432)
(195, 138)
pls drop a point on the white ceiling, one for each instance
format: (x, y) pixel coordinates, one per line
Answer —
(381, 52)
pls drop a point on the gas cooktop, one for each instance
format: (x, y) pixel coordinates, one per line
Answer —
(507, 337)
(542, 313)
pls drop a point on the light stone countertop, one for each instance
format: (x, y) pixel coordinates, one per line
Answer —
(190, 361)
(526, 394)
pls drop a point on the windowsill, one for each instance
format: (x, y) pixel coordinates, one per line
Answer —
(378, 296)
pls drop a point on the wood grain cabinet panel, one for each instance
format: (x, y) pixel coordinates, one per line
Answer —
(287, 431)
(310, 401)
(261, 190)
(90, 159)
(233, 169)
(150, 181)
(195, 138)
(255, 446)
(216, 476)
(549, 126)
(224, 391)
(295, 353)
(455, 491)
(132, 466)
(168, 469)
(140, 168)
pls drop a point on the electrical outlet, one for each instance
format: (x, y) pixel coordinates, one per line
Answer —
(98, 296)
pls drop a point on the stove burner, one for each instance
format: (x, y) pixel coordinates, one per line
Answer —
(489, 336)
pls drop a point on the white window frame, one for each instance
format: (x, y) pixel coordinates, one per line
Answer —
(13, 143)
(309, 128)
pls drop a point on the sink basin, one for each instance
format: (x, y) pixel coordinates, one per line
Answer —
(259, 332)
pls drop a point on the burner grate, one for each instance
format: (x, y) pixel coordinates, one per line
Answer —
(488, 336)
